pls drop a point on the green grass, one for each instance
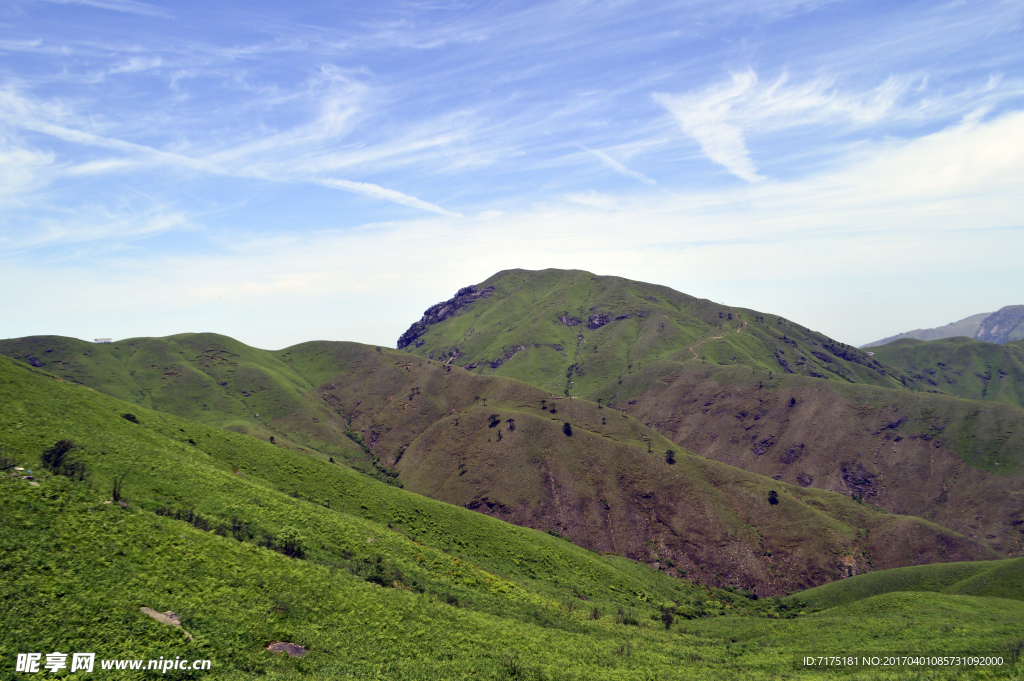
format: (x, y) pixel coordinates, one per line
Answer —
(1002, 578)
(469, 597)
(648, 323)
(962, 367)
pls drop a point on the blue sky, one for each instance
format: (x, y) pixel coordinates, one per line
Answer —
(283, 172)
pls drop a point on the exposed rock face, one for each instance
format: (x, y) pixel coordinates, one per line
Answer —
(1003, 326)
(567, 320)
(442, 311)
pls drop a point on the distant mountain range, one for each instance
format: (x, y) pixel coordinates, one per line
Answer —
(1000, 327)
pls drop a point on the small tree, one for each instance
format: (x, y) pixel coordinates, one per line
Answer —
(670, 457)
(668, 616)
(115, 493)
(567, 429)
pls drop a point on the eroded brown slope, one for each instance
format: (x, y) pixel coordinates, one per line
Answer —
(895, 456)
(501, 447)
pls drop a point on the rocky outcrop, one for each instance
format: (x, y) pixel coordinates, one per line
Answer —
(442, 311)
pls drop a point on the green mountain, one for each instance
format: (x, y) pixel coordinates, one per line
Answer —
(968, 326)
(971, 369)
(748, 389)
(521, 454)
(249, 544)
(599, 338)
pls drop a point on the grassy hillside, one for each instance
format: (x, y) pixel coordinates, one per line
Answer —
(602, 479)
(250, 543)
(608, 487)
(572, 332)
(963, 367)
(204, 377)
(956, 462)
(999, 578)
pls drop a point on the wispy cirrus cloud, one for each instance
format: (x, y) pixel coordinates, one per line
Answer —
(300, 154)
(619, 167)
(378, 192)
(720, 117)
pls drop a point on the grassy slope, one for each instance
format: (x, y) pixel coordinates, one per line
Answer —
(962, 367)
(204, 377)
(1000, 578)
(76, 571)
(957, 462)
(601, 488)
(500, 446)
(663, 329)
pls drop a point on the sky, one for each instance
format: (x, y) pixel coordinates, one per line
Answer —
(285, 172)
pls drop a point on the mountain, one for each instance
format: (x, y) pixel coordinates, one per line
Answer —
(971, 369)
(1004, 326)
(968, 327)
(595, 337)
(249, 544)
(745, 388)
(1000, 327)
(521, 454)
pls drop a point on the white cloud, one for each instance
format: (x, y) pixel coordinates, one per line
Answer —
(137, 64)
(618, 167)
(720, 117)
(294, 155)
(378, 192)
(21, 170)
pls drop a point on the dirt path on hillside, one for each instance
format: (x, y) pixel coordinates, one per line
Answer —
(711, 339)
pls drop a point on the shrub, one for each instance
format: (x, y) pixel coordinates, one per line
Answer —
(626, 617)
(289, 542)
(6, 462)
(670, 457)
(56, 459)
(567, 429)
